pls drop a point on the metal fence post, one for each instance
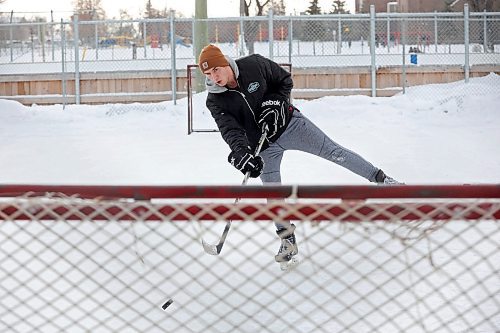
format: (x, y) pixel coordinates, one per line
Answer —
(466, 43)
(145, 36)
(290, 40)
(194, 38)
(242, 38)
(339, 35)
(63, 63)
(32, 45)
(388, 33)
(435, 31)
(11, 38)
(52, 44)
(96, 33)
(271, 34)
(485, 32)
(403, 41)
(173, 70)
(76, 43)
(372, 52)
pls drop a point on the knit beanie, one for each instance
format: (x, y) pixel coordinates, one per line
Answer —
(210, 57)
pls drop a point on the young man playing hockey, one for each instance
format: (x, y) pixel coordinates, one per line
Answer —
(252, 93)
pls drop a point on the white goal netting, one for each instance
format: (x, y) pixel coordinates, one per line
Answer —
(372, 259)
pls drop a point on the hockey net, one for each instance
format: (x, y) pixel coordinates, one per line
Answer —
(129, 259)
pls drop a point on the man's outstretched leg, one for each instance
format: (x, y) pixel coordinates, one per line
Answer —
(305, 136)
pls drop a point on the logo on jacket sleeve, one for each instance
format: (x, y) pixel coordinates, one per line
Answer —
(270, 102)
(252, 87)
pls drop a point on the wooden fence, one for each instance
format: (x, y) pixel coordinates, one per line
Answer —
(156, 86)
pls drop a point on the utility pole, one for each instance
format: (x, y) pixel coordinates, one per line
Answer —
(242, 7)
(200, 36)
(241, 30)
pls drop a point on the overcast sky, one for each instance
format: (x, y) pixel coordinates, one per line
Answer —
(216, 8)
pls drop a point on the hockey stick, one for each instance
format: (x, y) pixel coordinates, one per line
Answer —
(215, 249)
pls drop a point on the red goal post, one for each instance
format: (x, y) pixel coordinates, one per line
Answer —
(413, 258)
(426, 204)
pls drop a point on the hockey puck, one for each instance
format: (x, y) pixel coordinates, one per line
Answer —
(167, 303)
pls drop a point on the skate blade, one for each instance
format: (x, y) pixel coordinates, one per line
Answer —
(287, 266)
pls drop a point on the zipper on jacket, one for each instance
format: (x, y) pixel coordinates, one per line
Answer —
(246, 101)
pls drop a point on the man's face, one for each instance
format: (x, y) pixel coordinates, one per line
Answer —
(219, 75)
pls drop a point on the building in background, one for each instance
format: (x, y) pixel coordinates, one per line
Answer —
(363, 6)
(416, 6)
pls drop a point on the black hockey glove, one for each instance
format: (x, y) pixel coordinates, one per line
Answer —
(244, 161)
(273, 114)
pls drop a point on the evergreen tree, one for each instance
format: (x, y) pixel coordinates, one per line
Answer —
(150, 11)
(338, 7)
(156, 31)
(279, 7)
(315, 29)
(314, 8)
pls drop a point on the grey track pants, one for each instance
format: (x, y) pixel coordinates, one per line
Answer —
(303, 135)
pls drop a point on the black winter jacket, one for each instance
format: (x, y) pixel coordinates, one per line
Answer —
(236, 111)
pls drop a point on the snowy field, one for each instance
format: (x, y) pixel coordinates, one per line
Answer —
(436, 134)
(304, 54)
(446, 133)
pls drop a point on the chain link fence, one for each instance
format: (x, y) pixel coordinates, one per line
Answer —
(83, 57)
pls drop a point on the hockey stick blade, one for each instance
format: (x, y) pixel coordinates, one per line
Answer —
(215, 249)
(210, 249)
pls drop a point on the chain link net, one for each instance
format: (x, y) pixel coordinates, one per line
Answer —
(132, 59)
(80, 265)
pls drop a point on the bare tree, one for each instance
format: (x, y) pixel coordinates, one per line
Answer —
(89, 10)
(91, 7)
(481, 5)
(260, 6)
(252, 27)
(126, 27)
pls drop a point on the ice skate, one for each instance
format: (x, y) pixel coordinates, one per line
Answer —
(382, 179)
(287, 253)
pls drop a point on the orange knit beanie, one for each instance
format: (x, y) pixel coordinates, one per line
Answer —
(210, 57)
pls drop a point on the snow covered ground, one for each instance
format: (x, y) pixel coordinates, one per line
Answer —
(434, 134)
(445, 133)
